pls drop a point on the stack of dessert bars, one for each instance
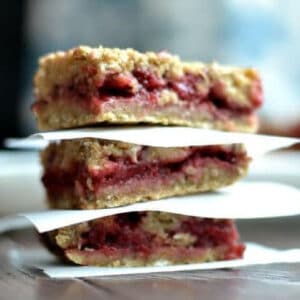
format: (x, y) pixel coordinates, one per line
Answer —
(99, 86)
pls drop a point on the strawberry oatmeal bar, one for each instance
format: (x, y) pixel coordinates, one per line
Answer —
(92, 173)
(146, 238)
(86, 86)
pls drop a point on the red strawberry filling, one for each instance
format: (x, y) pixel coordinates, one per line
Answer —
(126, 233)
(120, 170)
(144, 85)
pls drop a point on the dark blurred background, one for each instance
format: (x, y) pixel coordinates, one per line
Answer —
(260, 33)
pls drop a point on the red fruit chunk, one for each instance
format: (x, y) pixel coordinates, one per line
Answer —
(186, 87)
(149, 80)
(119, 84)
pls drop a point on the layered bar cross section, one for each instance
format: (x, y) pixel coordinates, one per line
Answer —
(86, 86)
(92, 173)
(146, 238)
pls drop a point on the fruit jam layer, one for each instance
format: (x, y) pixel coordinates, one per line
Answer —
(143, 234)
(145, 86)
(118, 170)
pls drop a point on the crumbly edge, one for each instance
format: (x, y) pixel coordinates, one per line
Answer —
(157, 223)
(94, 153)
(83, 62)
(88, 151)
(65, 242)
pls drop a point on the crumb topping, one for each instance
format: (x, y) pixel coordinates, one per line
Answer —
(92, 65)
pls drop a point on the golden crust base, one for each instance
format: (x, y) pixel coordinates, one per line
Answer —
(60, 114)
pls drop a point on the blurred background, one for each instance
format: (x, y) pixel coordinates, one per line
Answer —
(260, 33)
